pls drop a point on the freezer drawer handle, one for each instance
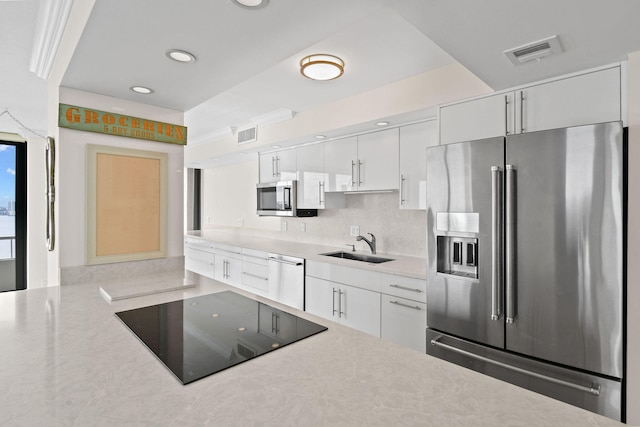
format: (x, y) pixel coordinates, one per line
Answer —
(594, 389)
(415, 307)
(496, 242)
(511, 243)
(405, 288)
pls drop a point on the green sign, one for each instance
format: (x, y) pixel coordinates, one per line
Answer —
(80, 118)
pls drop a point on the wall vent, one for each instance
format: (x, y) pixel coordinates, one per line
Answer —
(248, 135)
(534, 50)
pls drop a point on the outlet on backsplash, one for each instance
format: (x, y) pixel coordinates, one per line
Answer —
(354, 231)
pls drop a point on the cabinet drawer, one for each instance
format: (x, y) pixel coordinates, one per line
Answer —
(255, 257)
(228, 251)
(256, 277)
(404, 322)
(404, 287)
(201, 267)
(198, 255)
(357, 277)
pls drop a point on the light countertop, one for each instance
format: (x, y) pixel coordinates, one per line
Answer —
(402, 265)
(66, 360)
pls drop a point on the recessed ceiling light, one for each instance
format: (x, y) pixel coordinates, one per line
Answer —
(382, 123)
(275, 146)
(180, 55)
(251, 4)
(321, 67)
(320, 136)
(141, 89)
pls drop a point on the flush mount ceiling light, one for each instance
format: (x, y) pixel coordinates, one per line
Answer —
(141, 89)
(382, 124)
(250, 4)
(321, 67)
(180, 56)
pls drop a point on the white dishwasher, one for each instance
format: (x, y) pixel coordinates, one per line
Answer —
(286, 280)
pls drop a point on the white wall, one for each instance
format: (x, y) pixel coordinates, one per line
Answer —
(633, 248)
(71, 173)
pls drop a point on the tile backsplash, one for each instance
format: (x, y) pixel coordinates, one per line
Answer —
(397, 231)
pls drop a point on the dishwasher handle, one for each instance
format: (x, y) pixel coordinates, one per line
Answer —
(284, 261)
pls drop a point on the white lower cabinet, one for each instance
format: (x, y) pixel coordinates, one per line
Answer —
(404, 322)
(199, 257)
(228, 265)
(354, 307)
(255, 272)
(404, 311)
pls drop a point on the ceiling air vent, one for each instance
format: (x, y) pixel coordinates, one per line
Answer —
(248, 135)
(534, 50)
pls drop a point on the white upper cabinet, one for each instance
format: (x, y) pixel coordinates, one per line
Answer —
(278, 166)
(414, 140)
(580, 100)
(340, 158)
(378, 160)
(592, 97)
(312, 180)
(477, 118)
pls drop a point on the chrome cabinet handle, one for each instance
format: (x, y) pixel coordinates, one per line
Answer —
(255, 275)
(333, 300)
(403, 180)
(414, 307)
(511, 241)
(506, 114)
(320, 192)
(340, 312)
(273, 166)
(359, 172)
(416, 290)
(496, 242)
(594, 389)
(522, 98)
(353, 165)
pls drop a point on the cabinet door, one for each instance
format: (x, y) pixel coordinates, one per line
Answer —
(378, 160)
(404, 322)
(310, 176)
(267, 165)
(341, 157)
(321, 297)
(360, 309)
(228, 270)
(414, 140)
(580, 100)
(286, 168)
(477, 118)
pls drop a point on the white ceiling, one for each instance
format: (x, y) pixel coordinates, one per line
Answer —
(247, 60)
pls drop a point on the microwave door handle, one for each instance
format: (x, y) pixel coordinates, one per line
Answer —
(287, 198)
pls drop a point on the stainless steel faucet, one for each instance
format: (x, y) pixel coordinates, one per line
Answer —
(371, 243)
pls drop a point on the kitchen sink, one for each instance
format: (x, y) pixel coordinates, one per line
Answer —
(358, 257)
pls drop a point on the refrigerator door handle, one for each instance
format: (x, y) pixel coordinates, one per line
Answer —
(510, 223)
(496, 242)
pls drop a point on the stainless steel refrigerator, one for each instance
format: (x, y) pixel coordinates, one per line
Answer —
(525, 248)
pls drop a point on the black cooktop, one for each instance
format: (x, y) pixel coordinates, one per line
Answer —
(200, 336)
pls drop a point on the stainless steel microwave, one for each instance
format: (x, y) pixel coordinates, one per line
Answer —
(280, 199)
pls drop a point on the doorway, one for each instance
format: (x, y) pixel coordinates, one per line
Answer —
(13, 216)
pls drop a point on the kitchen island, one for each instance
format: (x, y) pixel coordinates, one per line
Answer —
(67, 360)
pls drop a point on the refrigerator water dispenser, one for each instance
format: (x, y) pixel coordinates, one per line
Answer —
(458, 256)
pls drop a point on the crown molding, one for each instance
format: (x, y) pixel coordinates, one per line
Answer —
(52, 20)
